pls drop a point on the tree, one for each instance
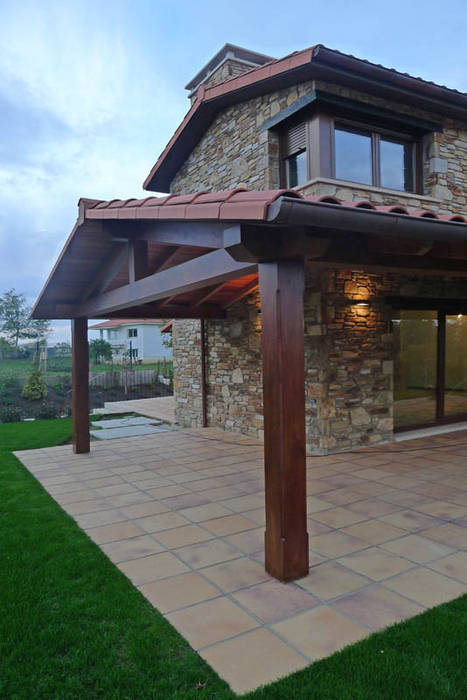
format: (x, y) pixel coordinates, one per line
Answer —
(100, 349)
(15, 322)
(35, 388)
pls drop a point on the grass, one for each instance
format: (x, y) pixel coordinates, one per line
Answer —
(62, 365)
(72, 625)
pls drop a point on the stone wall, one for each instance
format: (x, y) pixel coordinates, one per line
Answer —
(348, 348)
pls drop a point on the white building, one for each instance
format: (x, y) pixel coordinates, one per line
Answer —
(141, 338)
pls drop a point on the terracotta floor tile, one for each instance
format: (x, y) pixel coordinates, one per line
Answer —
(338, 517)
(376, 563)
(273, 601)
(258, 515)
(208, 553)
(320, 632)
(373, 507)
(243, 503)
(315, 505)
(376, 607)
(232, 575)
(315, 528)
(253, 659)
(161, 521)
(139, 510)
(336, 544)
(208, 512)
(451, 534)
(443, 510)
(374, 531)
(210, 622)
(330, 580)
(178, 591)
(112, 533)
(250, 541)
(82, 507)
(405, 499)
(454, 565)
(136, 547)
(102, 517)
(229, 525)
(417, 548)
(410, 520)
(426, 587)
(128, 499)
(185, 535)
(152, 568)
(342, 497)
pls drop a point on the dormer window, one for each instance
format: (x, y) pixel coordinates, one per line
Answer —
(353, 143)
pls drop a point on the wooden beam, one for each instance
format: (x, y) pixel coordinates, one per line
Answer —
(169, 311)
(197, 234)
(203, 271)
(166, 259)
(206, 296)
(243, 292)
(116, 260)
(137, 260)
(80, 385)
(286, 539)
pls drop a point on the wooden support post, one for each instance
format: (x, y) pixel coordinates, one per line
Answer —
(204, 405)
(80, 384)
(286, 538)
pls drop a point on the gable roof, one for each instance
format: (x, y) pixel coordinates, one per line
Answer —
(314, 62)
(114, 323)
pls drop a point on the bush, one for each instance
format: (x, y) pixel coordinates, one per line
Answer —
(8, 381)
(47, 410)
(35, 388)
(12, 414)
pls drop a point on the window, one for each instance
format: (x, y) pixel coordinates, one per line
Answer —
(372, 158)
(134, 353)
(132, 332)
(331, 146)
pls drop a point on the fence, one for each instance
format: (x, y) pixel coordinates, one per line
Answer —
(128, 378)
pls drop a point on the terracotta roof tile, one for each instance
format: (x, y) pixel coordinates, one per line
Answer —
(229, 205)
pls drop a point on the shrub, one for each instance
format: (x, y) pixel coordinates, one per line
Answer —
(8, 382)
(47, 410)
(12, 414)
(35, 388)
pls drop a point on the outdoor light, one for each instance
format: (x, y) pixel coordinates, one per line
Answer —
(362, 303)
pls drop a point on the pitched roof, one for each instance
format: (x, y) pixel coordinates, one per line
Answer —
(314, 62)
(114, 322)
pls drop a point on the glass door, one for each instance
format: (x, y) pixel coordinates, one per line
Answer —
(455, 377)
(415, 367)
(430, 367)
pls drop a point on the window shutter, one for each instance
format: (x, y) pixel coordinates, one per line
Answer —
(295, 139)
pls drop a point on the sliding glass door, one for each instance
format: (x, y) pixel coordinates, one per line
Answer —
(430, 367)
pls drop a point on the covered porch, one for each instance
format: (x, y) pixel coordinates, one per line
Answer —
(194, 256)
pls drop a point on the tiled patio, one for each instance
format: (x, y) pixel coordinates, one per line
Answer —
(182, 515)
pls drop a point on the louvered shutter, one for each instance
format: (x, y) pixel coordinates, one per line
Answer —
(295, 139)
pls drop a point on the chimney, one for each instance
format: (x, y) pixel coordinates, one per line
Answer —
(230, 61)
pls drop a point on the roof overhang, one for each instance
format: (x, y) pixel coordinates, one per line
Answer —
(317, 62)
(192, 256)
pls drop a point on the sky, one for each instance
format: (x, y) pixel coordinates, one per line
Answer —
(91, 91)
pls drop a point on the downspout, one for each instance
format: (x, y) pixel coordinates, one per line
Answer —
(204, 409)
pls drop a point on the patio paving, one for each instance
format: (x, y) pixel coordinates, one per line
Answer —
(181, 513)
(162, 407)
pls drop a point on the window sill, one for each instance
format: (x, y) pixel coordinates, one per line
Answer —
(367, 188)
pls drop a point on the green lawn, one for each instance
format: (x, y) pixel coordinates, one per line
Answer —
(62, 365)
(72, 626)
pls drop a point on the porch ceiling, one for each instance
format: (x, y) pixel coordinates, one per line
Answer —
(192, 256)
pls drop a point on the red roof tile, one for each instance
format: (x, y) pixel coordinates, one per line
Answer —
(231, 205)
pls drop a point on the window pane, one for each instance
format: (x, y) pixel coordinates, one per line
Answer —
(353, 156)
(416, 338)
(396, 165)
(296, 169)
(455, 397)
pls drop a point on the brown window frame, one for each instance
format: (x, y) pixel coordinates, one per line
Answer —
(320, 148)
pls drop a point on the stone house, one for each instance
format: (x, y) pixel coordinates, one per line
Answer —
(344, 130)
(312, 252)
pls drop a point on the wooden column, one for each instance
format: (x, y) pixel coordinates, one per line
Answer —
(80, 384)
(286, 538)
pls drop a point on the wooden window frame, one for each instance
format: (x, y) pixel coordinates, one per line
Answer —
(320, 148)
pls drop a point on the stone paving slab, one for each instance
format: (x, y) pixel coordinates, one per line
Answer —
(124, 422)
(160, 407)
(181, 513)
(129, 431)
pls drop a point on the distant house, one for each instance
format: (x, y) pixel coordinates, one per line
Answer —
(140, 337)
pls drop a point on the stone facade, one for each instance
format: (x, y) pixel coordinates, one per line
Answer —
(348, 348)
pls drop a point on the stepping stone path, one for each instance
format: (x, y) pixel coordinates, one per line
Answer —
(126, 427)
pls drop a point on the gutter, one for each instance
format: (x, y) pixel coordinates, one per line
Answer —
(289, 211)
